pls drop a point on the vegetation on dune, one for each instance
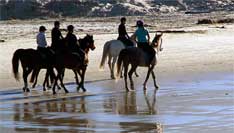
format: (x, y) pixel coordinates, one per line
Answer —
(27, 9)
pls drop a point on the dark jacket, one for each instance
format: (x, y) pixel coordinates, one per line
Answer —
(123, 36)
(71, 42)
(56, 37)
(122, 31)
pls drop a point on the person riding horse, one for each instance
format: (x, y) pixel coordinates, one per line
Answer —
(123, 35)
(72, 45)
(42, 44)
(56, 37)
(142, 37)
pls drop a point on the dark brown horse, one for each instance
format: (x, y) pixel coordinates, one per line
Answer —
(75, 61)
(137, 57)
(30, 59)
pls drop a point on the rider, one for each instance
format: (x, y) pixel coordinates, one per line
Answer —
(56, 36)
(71, 39)
(42, 44)
(72, 42)
(41, 39)
(123, 35)
(143, 39)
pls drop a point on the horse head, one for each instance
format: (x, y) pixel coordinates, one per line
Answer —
(157, 41)
(87, 43)
(90, 41)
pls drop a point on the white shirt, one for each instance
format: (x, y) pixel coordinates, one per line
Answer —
(41, 40)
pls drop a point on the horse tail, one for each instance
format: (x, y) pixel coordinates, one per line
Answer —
(15, 63)
(104, 54)
(122, 54)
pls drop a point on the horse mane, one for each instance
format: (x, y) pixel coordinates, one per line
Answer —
(156, 38)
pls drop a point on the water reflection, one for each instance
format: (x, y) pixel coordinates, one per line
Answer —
(127, 104)
(53, 113)
(80, 115)
(151, 106)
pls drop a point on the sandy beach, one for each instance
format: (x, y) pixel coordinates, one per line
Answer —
(195, 73)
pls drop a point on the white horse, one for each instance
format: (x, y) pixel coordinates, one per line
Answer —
(112, 49)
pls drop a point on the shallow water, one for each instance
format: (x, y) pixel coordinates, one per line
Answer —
(205, 106)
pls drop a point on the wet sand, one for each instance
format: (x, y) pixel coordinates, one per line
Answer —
(195, 73)
(205, 106)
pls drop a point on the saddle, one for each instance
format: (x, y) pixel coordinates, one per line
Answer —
(126, 42)
(45, 54)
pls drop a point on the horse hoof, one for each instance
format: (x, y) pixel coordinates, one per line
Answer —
(54, 93)
(49, 86)
(59, 88)
(156, 87)
(128, 90)
(112, 77)
(66, 91)
(27, 90)
(33, 86)
(44, 89)
(84, 90)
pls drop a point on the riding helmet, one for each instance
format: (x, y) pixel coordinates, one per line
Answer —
(70, 27)
(56, 23)
(42, 28)
(123, 19)
(139, 23)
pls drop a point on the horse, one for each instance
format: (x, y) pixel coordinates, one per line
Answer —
(74, 61)
(112, 49)
(30, 59)
(137, 57)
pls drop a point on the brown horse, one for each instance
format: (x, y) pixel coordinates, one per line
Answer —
(85, 44)
(75, 61)
(137, 57)
(30, 59)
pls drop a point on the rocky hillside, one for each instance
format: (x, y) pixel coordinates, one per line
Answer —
(24, 9)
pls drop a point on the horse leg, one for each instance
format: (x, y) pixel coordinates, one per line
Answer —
(79, 83)
(154, 79)
(125, 76)
(36, 71)
(50, 77)
(59, 76)
(76, 77)
(133, 69)
(25, 77)
(110, 66)
(55, 84)
(113, 67)
(46, 80)
(62, 76)
(61, 80)
(147, 76)
(136, 74)
(121, 73)
(82, 79)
